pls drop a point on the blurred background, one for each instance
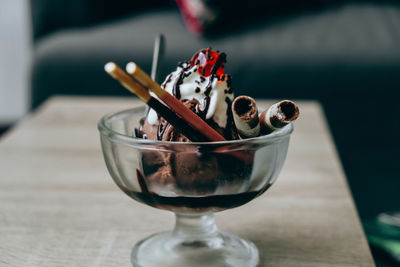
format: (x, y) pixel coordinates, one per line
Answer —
(344, 54)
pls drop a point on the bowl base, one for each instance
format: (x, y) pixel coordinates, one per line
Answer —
(171, 250)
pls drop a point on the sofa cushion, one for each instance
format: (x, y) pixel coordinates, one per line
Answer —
(49, 15)
(350, 50)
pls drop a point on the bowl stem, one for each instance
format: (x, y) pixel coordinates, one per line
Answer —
(195, 227)
(195, 241)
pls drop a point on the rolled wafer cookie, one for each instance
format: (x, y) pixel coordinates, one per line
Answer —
(245, 116)
(278, 115)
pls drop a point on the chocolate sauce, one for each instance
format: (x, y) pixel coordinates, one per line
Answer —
(175, 89)
(208, 89)
(186, 74)
(161, 130)
(220, 202)
(219, 63)
(187, 66)
(203, 108)
(277, 121)
(167, 80)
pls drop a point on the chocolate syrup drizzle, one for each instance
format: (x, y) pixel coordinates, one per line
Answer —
(167, 80)
(203, 108)
(161, 130)
(182, 75)
(220, 61)
(175, 89)
(207, 91)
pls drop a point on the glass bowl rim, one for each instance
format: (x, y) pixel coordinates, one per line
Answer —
(130, 140)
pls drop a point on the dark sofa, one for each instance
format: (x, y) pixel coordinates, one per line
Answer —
(344, 54)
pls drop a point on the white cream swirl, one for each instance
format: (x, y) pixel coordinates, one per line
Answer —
(193, 85)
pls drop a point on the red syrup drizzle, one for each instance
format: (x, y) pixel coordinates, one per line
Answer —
(209, 62)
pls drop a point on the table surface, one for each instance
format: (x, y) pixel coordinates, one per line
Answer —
(59, 206)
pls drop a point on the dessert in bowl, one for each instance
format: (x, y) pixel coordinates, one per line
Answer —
(167, 166)
(205, 177)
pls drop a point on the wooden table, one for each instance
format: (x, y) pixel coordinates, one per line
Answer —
(59, 206)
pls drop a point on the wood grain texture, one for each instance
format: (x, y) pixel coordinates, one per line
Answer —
(59, 207)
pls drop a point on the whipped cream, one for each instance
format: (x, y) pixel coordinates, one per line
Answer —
(212, 92)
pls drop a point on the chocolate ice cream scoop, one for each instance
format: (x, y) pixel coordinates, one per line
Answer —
(198, 171)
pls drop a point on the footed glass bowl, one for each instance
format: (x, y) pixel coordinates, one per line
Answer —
(193, 180)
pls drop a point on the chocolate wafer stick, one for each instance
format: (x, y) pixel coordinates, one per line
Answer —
(174, 104)
(118, 74)
(278, 115)
(245, 115)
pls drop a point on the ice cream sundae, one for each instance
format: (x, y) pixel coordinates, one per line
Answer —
(196, 150)
(195, 104)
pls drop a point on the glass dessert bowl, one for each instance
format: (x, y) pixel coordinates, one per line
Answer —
(193, 180)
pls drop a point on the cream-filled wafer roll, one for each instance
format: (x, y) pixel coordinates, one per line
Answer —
(278, 115)
(245, 116)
